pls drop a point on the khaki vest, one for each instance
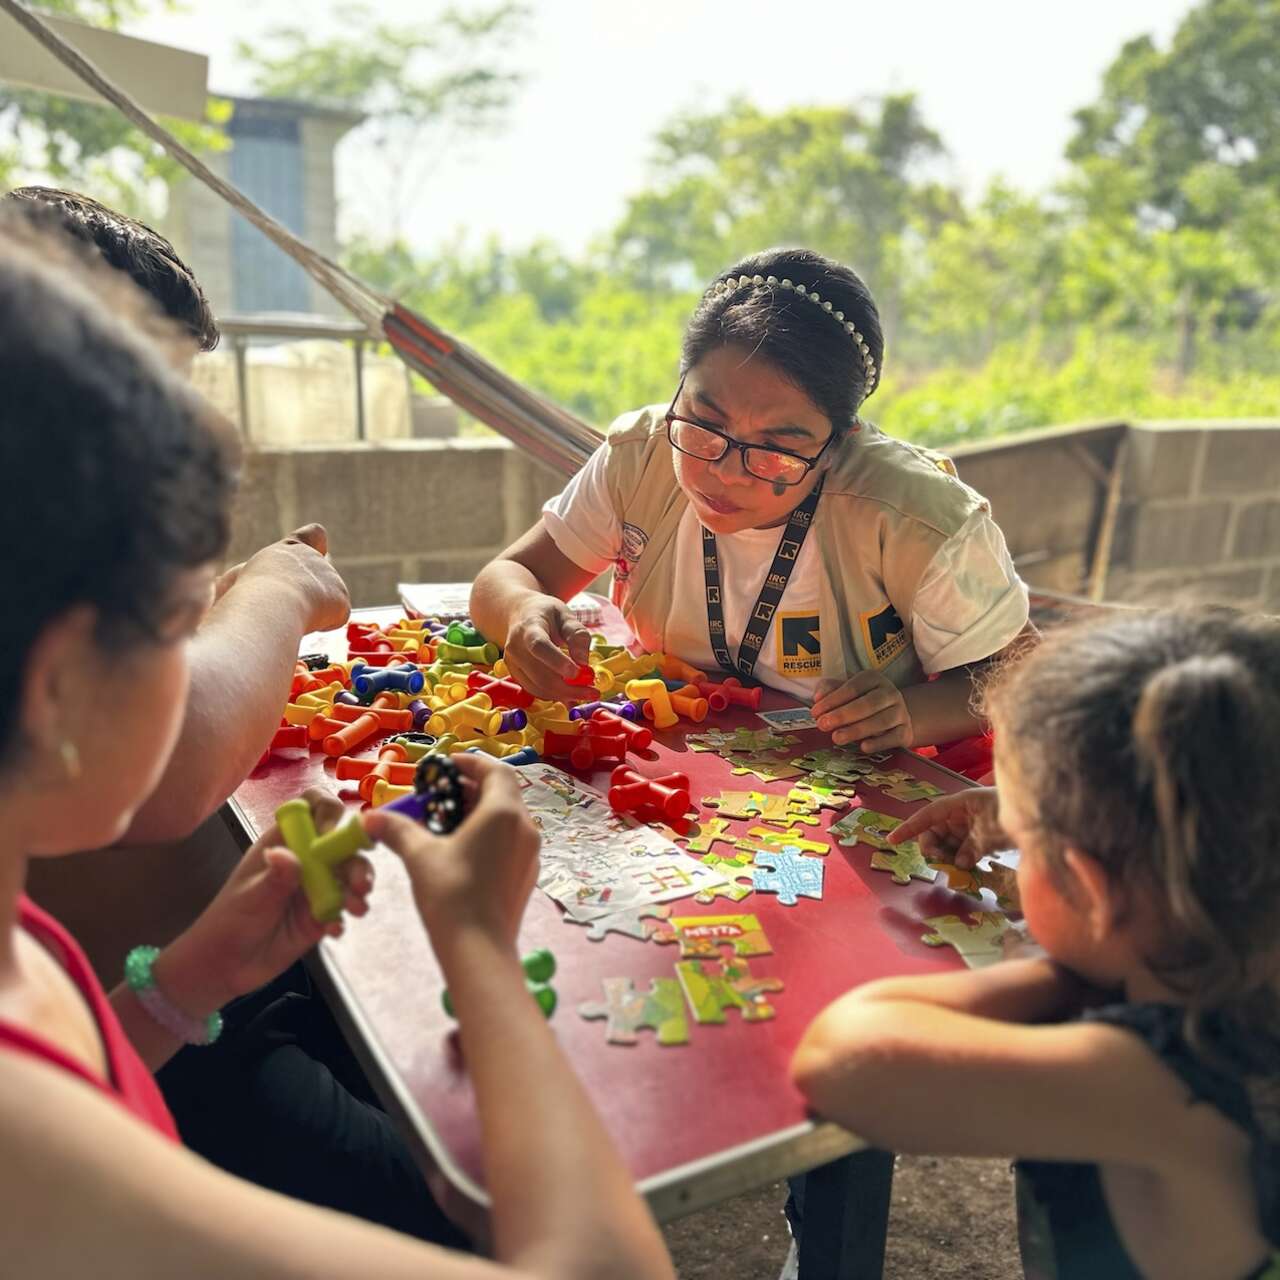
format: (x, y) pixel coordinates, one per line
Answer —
(886, 508)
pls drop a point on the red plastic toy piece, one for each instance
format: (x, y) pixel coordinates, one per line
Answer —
(596, 746)
(733, 691)
(502, 692)
(559, 744)
(584, 676)
(717, 699)
(289, 735)
(638, 736)
(630, 791)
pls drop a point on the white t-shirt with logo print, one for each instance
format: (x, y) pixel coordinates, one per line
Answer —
(969, 604)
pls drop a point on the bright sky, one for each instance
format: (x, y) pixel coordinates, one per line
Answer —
(997, 78)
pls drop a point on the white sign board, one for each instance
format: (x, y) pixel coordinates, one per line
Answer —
(162, 79)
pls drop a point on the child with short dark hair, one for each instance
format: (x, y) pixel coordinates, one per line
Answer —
(1135, 1070)
(121, 511)
(143, 254)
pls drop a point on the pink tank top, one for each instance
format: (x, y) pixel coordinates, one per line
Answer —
(128, 1081)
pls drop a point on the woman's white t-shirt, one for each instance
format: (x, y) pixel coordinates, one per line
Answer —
(969, 604)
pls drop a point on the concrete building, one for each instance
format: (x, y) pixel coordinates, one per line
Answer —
(282, 157)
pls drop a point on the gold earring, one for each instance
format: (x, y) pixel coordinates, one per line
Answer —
(70, 754)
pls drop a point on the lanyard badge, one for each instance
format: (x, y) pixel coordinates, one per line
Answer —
(775, 583)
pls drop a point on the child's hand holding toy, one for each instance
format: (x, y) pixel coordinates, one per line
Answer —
(478, 879)
(260, 922)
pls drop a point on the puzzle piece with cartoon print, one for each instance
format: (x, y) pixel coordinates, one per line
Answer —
(766, 836)
(626, 1010)
(767, 768)
(738, 868)
(642, 924)
(709, 831)
(712, 986)
(906, 861)
(701, 937)
(978, 941)
(865, 826)
(1001, 879)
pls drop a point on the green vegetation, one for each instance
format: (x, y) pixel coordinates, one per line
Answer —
(1147, 284)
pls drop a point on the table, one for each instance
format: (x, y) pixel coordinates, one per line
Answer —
(698, 1123)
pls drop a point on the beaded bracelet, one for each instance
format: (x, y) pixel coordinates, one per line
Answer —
(139, 978)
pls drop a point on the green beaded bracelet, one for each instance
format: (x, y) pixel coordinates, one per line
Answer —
(140, 979)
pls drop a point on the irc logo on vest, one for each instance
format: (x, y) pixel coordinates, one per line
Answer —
(884, 634)
(799, 640)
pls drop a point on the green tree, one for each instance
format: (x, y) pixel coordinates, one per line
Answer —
(847, 181)
(988, 275)
(422, 87)
(1209, 99)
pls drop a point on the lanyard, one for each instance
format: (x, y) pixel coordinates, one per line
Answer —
(775, 583)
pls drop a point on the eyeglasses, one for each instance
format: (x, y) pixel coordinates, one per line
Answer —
(777, 466)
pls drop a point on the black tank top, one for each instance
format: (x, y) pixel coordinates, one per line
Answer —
(1064, 1225)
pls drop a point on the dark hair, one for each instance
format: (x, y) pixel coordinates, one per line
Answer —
(117, 478)
(1150, 741)
(143, 254)
(809, 346)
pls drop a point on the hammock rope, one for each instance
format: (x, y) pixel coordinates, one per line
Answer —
(542, 428)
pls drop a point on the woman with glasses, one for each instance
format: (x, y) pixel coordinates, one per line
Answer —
(759, 526)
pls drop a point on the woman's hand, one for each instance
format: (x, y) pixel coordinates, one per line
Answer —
(959, 829)
(867, 710)
(481, 875)
(533, 650)
(259, 923)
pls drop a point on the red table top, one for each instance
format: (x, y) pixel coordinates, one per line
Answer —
(725, 1094)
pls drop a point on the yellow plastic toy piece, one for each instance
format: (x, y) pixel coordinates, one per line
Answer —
(298, 713)
(384, 792)
(320, 855)
(474, 712)
(654, 692)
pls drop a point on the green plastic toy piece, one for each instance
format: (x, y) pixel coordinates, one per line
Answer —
(539, 969)
(320, 855)
(456, 633)
(480, 654)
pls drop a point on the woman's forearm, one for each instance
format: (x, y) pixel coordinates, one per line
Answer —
(942, 710)
(558, 1185)
(500, 589)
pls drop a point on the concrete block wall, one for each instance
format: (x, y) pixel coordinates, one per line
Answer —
(1200, 516)
(1197, 521)
(418, 511)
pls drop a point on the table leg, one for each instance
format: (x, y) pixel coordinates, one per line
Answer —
(846, 1217)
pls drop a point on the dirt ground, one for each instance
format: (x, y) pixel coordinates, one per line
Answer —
(949, 1219)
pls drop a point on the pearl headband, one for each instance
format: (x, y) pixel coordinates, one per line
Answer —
(722, 289)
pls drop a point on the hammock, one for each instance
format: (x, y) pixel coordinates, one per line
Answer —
(531, 422)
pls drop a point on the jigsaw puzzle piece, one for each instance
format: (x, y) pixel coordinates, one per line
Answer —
(789, 874)
(710, 830)
(735, 804)
(738, 868)
(713, 986)
(767, 768)
(1001, 879)
(703, 936)
(912, 791)
(833, 762)
(641, 923)
(906, 862)
(626, 1010)
(978, 941)
(813, 795)
(865, 826)
(757, 836)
